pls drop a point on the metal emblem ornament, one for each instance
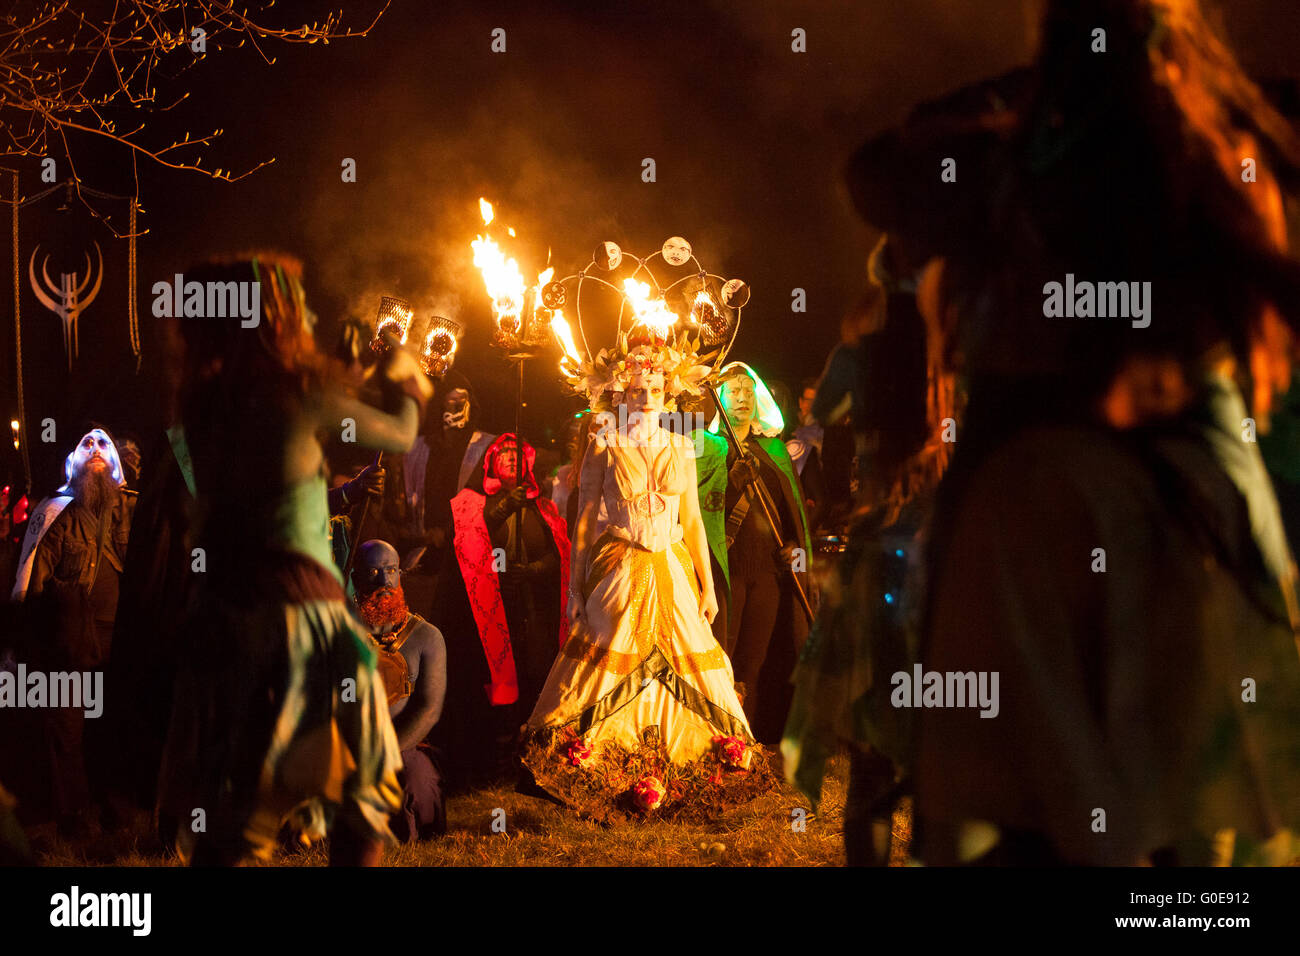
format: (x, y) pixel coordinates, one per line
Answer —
(69, 304)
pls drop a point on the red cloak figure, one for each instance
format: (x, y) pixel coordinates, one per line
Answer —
(500, 607)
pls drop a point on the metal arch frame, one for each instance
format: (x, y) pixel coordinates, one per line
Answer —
(642, 264)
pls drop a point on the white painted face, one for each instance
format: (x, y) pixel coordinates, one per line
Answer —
(676, 251)
(645, 395)
(95, 450)
(739, 400)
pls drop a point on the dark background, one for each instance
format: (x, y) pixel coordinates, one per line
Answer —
(749, 139)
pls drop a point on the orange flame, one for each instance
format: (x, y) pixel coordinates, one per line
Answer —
(501, 276)
(560, 327)
(652, 313)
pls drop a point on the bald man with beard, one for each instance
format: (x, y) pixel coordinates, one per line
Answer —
(412, 660)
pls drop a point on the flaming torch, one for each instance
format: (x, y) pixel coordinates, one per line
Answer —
(436, 339)
(571, 361)
(504, 283)
(652, 319)
(394, 319)
(438, 351)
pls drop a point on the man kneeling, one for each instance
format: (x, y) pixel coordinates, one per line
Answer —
(413, 665)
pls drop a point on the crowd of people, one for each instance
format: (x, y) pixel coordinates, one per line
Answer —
(288, 658)
(679, 617)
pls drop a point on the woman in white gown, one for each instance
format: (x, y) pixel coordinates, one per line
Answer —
(639, 712)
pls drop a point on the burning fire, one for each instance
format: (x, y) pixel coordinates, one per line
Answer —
(654, 314)
(398, 324)
(560, 327)
(501, 276)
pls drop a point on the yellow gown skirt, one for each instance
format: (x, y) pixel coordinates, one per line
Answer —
(641, 690)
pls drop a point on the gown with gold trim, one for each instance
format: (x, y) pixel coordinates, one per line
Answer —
(641, 688)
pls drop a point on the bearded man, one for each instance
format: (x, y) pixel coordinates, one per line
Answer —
(412, 660)
(75, 564)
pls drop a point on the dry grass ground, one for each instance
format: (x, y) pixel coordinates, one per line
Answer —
(538, 833)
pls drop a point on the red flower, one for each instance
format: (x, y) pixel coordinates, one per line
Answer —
(648, 793)
(578, 754)
(730, 750)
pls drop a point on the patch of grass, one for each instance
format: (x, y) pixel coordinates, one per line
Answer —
(538, 833)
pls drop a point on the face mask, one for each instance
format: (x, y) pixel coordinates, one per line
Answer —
(456, 418)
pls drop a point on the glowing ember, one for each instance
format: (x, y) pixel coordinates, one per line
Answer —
(706, 314)
(440, 342)
(397, 325)
(485, 208)
(654, 314)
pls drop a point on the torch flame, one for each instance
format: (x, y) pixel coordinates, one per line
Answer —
(652, 313)
(501, 277)
(564, 336)
(485, 208)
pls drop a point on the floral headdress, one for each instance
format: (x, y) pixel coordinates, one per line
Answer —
(640, 350)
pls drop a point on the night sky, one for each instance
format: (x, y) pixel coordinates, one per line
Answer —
(749, 139)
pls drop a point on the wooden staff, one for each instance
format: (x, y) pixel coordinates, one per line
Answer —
(355, 538)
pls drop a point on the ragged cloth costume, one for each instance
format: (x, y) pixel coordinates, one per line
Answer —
(261, 728)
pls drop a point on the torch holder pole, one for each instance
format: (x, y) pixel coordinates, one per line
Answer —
(518, 516)
(769, 510)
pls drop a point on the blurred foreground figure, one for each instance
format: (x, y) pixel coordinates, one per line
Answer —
(868, 625)
(278, 707)
(1106, 544)
(412, 661)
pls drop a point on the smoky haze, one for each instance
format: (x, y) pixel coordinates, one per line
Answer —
(749, 140)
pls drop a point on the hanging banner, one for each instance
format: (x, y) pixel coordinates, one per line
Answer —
(75, 323)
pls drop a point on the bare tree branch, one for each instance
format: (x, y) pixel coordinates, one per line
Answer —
(64, 69)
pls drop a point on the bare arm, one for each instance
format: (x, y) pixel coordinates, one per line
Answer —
(373, 428)
(424, 708)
